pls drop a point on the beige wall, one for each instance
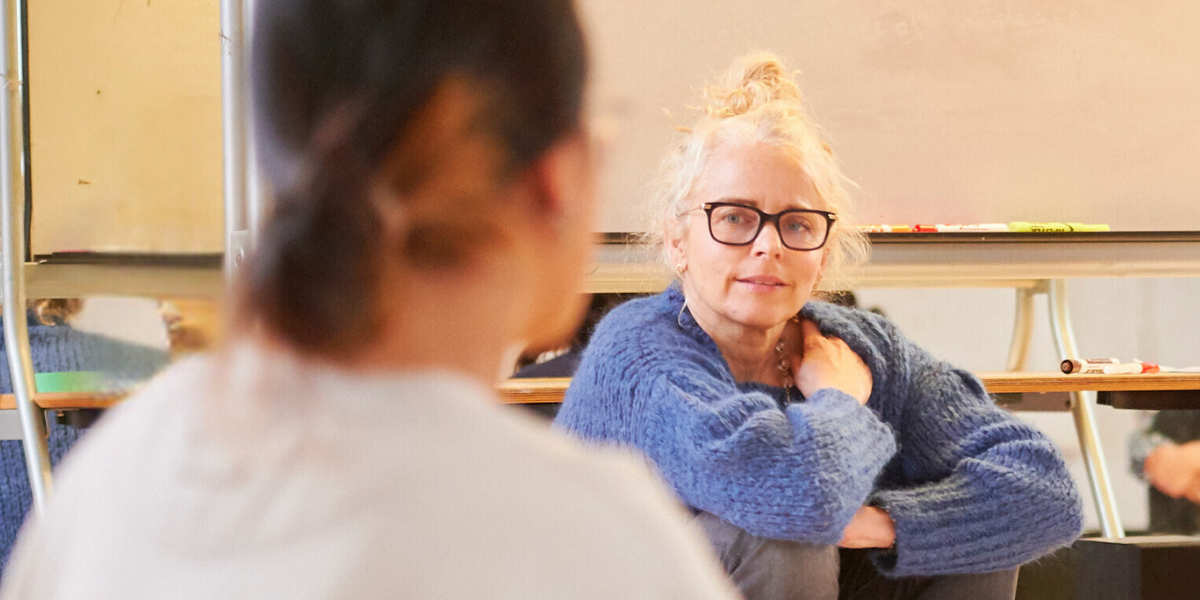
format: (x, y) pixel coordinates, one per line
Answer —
(126, 125)
(941, 110)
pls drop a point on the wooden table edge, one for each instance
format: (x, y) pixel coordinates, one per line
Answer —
(551, 389)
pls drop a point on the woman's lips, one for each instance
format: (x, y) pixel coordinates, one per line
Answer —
(763, 282)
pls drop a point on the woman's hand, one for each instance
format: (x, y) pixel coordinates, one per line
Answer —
(871, 527)
(1175, 470)
(827, 362)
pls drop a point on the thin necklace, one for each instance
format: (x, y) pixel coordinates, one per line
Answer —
(785, 367)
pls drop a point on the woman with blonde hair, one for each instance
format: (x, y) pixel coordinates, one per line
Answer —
(823, 454)
(433, 211)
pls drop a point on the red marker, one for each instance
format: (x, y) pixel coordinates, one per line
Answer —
(974, 227)
(965, 228)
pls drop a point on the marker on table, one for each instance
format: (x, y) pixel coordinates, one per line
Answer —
(884, 228)
(1090, 365)
(1148, 367)
(1107, 366)
(1026, 226)
(970, 227)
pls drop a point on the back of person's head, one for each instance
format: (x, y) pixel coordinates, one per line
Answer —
(757, 101)
(384, 127)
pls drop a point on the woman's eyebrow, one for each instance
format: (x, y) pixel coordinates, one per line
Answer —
(808, 203)
(742, 201)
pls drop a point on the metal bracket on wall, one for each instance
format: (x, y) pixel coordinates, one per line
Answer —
(238, 249)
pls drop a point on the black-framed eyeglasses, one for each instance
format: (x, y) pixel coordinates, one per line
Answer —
(801, 229)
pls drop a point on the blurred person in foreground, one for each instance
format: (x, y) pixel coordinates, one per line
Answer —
(57, 347)
(823, 453)
(433, 210)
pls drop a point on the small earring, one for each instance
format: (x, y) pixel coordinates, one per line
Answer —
(679, 268)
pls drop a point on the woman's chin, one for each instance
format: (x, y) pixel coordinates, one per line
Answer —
(761, 317)
(768, 310)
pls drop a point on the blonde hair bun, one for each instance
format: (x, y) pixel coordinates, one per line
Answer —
(752, 81)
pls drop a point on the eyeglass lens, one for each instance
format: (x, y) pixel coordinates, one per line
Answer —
(740, 225)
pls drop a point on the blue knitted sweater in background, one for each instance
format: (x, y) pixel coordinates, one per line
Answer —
(59, 348)
(971, 488)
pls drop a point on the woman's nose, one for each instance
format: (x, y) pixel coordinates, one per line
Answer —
(768, 242)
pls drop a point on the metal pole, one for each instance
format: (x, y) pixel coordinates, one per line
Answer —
(234, 108)
(1018, 350)
(257, 202)
(1083, 408)
(12, 223)
(255, 198)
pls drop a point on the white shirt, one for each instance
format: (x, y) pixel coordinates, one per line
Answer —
(253, 475)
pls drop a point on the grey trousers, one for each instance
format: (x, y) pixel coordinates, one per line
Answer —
(769, 569)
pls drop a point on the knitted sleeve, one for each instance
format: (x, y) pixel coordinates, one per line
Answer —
(798, 474)
(991, 491)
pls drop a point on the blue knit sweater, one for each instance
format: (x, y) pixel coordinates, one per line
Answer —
(59, 348)
(971, 488)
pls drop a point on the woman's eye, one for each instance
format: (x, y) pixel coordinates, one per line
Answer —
(733, 219)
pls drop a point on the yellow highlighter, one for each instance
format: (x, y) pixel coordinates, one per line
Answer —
(1026, 226)
(1088, 227)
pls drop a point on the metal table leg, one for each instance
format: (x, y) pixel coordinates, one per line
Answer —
(1018, 350)
(1083, 408)
(12, 222)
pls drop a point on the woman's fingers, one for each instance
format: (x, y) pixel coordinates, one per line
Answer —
(812, 334)
(1193, 491)
(829, 363)
(869, 528)
(1168, 470)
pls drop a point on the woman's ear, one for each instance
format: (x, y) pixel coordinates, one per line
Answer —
(673, 242)
(562, 183)
(824, 263)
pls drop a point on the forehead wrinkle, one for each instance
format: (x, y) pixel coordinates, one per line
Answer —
(797, 202)
(810, 203)
(755, 176)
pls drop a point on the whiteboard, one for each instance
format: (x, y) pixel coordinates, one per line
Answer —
(125, 133)
(951, 111)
